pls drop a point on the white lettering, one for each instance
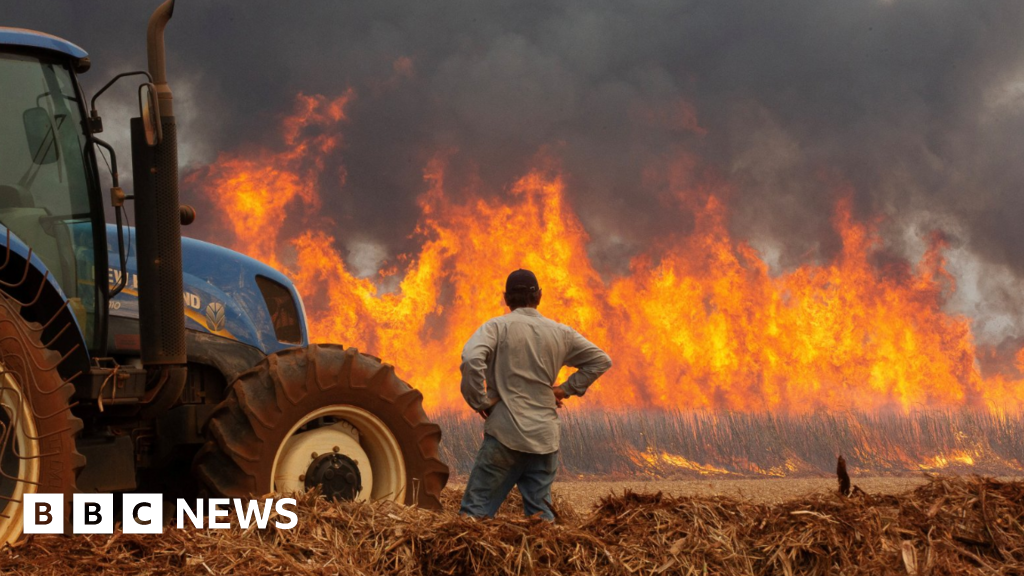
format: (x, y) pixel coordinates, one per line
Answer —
(183, 510)
(191, 300)
(282, 511)
(216, 512)
(253, 510)
(131, 280)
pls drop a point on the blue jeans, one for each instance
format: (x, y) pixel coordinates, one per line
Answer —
(497, 469)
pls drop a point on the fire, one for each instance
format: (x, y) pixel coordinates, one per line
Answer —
(699, 322)
(658, 462)
(256, 188)
(941, 461)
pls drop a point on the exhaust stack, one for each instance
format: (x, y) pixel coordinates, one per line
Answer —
(158, 232)
(156, 56)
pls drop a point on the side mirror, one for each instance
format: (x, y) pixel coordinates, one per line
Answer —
(40, 132)
(149, 111)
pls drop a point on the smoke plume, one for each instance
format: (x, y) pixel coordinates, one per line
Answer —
(914, 109)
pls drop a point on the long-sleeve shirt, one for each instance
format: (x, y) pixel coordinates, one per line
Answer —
(518, 356)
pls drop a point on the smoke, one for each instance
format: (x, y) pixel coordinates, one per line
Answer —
(914, 108)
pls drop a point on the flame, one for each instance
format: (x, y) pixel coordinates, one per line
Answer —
(256, 188)
(699, 322)
(659, 462)
(941, 461)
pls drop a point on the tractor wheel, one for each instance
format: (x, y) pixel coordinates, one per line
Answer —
(323, 416)
(37, 429)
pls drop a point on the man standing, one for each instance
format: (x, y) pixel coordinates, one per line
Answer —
(519, 356)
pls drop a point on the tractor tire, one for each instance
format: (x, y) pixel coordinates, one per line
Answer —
(306, 412)
(37, 429)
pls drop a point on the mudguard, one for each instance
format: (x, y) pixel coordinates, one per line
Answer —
(25, 277)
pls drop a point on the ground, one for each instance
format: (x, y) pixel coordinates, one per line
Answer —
(583, 494)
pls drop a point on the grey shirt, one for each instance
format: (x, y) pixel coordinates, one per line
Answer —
(519, 356)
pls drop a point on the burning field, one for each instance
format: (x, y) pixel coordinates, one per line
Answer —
(723, 365)
(949, 526)
(698, 322)
(731, 361)
(732, 445)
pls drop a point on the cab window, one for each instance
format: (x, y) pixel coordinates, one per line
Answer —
(44, 181)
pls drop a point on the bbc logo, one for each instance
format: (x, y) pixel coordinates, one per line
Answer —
(144, 513)
(93, 514)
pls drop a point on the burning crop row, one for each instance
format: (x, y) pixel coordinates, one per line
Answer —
(698, 323)
(672, 444)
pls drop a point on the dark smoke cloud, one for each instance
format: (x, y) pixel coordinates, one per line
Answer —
(916, 105)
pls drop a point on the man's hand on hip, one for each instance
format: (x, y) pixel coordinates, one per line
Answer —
(487, 411)
(559, 396)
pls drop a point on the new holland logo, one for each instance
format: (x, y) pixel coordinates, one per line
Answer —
(215, 317)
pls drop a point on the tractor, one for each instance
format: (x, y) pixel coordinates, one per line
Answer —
(135, 359)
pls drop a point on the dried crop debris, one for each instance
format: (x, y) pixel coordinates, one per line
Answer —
(951, 525)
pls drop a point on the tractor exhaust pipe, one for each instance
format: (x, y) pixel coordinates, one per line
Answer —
(156, 55)
(158, 232)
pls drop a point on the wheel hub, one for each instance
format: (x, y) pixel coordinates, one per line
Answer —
(337, 475)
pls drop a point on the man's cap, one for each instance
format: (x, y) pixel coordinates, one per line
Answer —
(521, 281)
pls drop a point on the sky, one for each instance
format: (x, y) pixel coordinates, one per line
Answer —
(915, 108)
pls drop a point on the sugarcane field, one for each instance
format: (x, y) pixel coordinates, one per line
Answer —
(511, 288)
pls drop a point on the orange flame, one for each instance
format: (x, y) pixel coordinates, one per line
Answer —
(699, 322)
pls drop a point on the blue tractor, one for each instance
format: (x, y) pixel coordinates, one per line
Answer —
(134, 359)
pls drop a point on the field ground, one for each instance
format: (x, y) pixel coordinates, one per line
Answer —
(946, 526)
(584, 494)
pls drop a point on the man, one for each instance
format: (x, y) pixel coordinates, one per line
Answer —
(519, 356)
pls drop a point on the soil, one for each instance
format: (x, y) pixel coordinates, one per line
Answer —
(584, 494)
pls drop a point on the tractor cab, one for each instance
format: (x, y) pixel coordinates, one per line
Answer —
(49, 194)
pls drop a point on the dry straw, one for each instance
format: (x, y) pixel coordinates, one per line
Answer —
(948, 526)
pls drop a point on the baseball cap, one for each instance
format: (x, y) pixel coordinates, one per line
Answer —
(521, 281)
